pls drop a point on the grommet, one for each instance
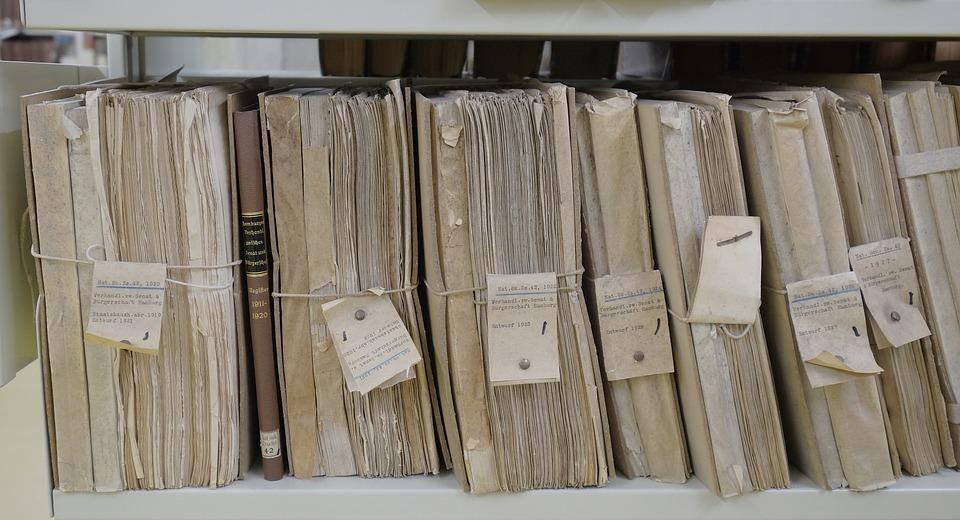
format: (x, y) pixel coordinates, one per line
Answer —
(895, 316)
(638, 356)
(524, 364)
(360, 314)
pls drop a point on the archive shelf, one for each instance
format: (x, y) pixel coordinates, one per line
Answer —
(621, 19)
(425, 498)
(440, 498)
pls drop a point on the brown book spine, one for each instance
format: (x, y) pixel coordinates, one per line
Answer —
(256, 262)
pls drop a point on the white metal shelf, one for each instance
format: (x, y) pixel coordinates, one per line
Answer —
(559, 18)
(440, 498)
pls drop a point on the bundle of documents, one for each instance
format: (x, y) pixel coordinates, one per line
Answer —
(923, 132)
(142, 350)
(726, 387)
(870, 198)
(625, 293)
(518, 376)
(837, 427)
(356, 396)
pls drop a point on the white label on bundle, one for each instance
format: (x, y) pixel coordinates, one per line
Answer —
(126, 305)
(728, 287)
(371, 340)
(270, 444)
(830, 327)
(888, 279)
(634, 337)
(522, 344)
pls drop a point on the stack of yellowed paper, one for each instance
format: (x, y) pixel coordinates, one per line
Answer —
(880, 254)
(132, 205)
(836, 423)
(519, 380)
(726, 386)
(923, 131)
(625, 293)
(350, 341)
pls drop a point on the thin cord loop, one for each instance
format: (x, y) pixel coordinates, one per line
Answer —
(366, 292)
(90, 261)
(723, 328)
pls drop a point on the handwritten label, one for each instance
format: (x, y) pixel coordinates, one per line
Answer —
(522, 344)
(728, 287)
(634, 337)
(270, 444)
(831, 329)
(126, 305)
(888, 279)
(371, 341)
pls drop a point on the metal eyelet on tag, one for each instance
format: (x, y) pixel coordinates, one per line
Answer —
(360, 315)
(638, 356)
(524, 364)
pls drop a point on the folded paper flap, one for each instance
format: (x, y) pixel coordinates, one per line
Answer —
(728, 284)
(924, 163)
(856, 365)
(830, 328)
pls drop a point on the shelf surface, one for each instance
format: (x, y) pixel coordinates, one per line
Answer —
(558, 18)
(428, 498)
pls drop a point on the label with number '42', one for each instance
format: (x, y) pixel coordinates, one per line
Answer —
(126, 305)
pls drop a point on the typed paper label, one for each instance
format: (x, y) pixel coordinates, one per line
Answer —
(634, 337)
(126, 305)
(522, 344)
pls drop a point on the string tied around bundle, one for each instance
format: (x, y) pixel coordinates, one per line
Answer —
(90, 261)
(715, 326)
(372, 291)
(450, 292)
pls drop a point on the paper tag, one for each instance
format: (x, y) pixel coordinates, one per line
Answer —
(371, 340)
(830, 327)
(126, 305)
(634, 337)
(891, 290)
(728, 287)
(522, 344)
(270, 444)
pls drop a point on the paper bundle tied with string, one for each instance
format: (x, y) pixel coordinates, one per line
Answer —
(354, 376)
(627, 301)
(840, 429)
(134, 229)
(708, 251)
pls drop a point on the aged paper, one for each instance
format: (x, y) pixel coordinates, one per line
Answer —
(728, 287)
(522, 328)
(891, 290)
(372, 342)
(831, 328)
(126, 305)
(634, 335)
